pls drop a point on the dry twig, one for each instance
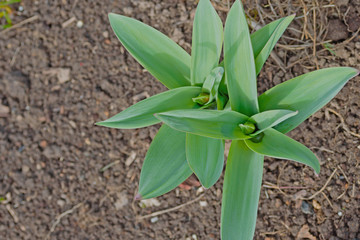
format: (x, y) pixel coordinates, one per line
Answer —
(170, 209)
(327, 199)
(323, 188)
(12, 213)
(58, 219)
(343, 125)
(31, 19)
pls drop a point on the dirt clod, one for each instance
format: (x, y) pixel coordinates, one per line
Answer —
(337, 30)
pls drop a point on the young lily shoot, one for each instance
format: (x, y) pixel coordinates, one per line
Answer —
(209, 101)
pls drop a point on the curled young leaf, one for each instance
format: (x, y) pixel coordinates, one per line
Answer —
(212, 83)
(271, 118)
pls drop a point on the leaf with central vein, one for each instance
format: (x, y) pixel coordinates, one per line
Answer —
(241, 192)
(239, 63)
(278, 145)
(206, 42)
(165, 165)
(271, 118)
(207, 123)
(306, 94)
(205, 157)
(264, 40)
(141, 114)
(160, 55)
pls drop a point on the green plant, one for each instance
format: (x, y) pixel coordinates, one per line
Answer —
(209, 102)
(5, 11)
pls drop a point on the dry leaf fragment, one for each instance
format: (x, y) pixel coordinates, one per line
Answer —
(62, 74)
(316, 204)
(130, 159)
(189, 183)
(300, 194)
(121, 201)
(304, 233)
(152, 202)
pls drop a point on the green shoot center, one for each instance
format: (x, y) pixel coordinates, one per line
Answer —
(202, 99)
(258, 138)
(247, 128)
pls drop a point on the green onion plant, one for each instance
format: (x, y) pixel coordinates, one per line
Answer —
(209, 101)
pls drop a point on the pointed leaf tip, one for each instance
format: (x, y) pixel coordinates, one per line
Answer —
(278, 145)
(161, 56)
(99, 123)
(137, 197)
(306, 93)
(205, 157)
(207, 39)
(158, 174)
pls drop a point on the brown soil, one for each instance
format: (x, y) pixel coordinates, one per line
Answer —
(51, 183)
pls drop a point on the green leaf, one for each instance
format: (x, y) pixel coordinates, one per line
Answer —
(208, 123)
(306, 94)
(207, 41)
(165, 165)
(205, 157)
(241, 192)
(212, 83)
(221, 101)
(161, 56)
(8, 2)
(142, 113)
(264, 40)
(278, 145)
(271, 118)
(239, 63)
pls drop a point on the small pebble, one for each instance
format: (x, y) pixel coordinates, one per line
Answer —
(199, 191)
(43, 144)
(203, 204)
(105, 34)
(357, 45)
(21, 8)
(305, 208)
(340, 214)
(25, 169)
(79, 24)
(154, 219)
(60, 202)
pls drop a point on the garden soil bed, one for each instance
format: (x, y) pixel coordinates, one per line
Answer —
(59, 77)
